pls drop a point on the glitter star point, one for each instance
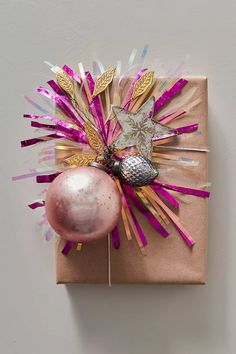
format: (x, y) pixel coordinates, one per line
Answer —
(139, 129)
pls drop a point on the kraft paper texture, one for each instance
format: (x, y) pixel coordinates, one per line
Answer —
(168, 260)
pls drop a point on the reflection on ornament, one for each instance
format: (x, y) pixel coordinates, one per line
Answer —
(135, 171)
(83, 204)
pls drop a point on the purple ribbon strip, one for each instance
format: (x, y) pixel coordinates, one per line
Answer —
(36, 205)
(169, 94)
(153, 221)
(191, 191)
(47, 178)
(166, 195)
(115, 238)
(68, 246)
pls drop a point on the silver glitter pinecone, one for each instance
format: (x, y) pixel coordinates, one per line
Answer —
(136, 170)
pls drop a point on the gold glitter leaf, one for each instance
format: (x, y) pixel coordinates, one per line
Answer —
(80, 159)
(103, 81)
(142, 84)
(65, 82)
(94, 139)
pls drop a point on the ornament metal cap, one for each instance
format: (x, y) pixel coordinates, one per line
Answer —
(99, 166)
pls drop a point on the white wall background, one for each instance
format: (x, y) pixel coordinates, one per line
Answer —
(36, 316)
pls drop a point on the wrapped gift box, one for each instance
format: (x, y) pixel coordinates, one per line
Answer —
(167, 260)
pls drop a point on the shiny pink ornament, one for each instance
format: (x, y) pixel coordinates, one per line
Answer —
(83, 204)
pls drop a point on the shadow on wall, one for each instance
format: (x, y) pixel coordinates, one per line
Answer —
(163, 319)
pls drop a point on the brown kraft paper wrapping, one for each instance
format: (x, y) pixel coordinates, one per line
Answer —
(168, 260)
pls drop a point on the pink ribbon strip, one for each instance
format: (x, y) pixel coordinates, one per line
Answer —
(196, 192)
(189, 241)
(170, 117)
(169, 94)
(115, 238)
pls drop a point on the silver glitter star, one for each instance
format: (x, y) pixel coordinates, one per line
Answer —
(138, 129)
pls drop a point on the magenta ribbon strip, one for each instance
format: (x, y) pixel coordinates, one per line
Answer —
(56, 88)
(36, 205)
(58, 100)
(48, 126)
(68, 246)
(166, 195)
(72, 74)
(66, 127)
(64, 134)
(47, 178)
(33, 141)
(64, 98)
(191, 191)
(169, 94)
(187, 129)
(96, 107)
(153, 221)
(115, 238)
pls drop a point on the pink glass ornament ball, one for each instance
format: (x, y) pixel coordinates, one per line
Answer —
(83, 204)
